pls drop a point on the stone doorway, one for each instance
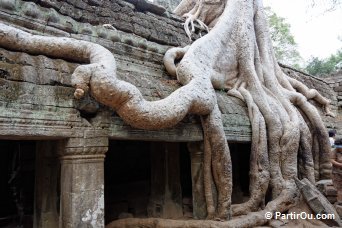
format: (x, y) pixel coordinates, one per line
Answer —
(127, 179)
(147, 179)
(29, 184)
(240, 155)
(17, 168)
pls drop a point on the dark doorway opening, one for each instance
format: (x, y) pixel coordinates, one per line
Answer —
(147, 179)
(240, 155)
(127, 179)
(17, 180)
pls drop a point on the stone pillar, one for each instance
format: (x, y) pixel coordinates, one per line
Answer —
(46, 185)
(198, 198)
(82, 182)
(166, 191)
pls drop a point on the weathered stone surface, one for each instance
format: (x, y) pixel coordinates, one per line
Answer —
(168, 4)
(336, 81)
(322, 184)
(143, 5)
(338, 89)
(82, 182)
(122, 15)
(46, 185)
(198, 198)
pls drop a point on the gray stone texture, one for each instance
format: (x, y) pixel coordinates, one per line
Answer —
(335, 82)
(168, 4)
(82, 182)
(46, 184)
(198, 198)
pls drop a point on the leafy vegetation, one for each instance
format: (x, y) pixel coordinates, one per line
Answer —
(326, 66)
(284, 44)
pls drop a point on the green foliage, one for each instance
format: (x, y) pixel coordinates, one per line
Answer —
(329, 65)
(283, 41)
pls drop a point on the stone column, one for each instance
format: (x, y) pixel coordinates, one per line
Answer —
(198, 198)
(46, 185)
(82, 182)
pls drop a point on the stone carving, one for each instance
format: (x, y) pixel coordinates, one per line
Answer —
(236, 55)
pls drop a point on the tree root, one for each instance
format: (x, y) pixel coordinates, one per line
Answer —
(286, 200)
(193, 16)
(311, 94)
(305, 155)
(207, 174)
(217, 158)
(259, 164)
(200, 11)
(171, 56)
(282, 118)
(99, 77)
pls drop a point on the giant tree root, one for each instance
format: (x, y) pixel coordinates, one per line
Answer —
(287, 199)
(99, 78)
(241, 59)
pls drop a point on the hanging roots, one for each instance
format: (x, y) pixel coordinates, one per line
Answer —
(201, 11)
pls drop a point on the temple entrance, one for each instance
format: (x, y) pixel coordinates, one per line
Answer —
(17, 180)
(240, 155)
(154, 179)
(147, 179)
(29, 184)
(127, 179)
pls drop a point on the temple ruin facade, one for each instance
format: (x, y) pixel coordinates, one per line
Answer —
(75, 163)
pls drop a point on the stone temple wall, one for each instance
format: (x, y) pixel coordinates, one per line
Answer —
(335, 82)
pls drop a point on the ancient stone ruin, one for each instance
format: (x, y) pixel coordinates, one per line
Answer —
(121, 113)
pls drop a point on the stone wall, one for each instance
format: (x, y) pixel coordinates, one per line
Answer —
(335, 82)
(127, 16)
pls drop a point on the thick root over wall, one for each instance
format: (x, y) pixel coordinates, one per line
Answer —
(289, 139)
